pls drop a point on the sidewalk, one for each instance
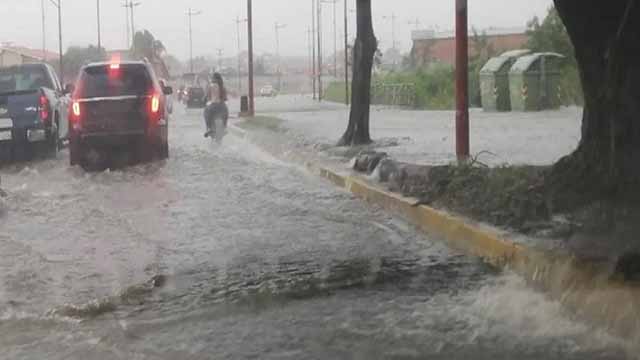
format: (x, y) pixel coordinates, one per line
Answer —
(428, 137)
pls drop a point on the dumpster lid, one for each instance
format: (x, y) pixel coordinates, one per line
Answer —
(516, 53)
(496, 63)
(524, 63)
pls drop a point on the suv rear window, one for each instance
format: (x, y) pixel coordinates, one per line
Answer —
(102, 81)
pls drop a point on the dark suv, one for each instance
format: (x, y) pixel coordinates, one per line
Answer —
(118, 106)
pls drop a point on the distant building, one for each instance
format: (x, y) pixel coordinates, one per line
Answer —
(430, 46)
(16, 55)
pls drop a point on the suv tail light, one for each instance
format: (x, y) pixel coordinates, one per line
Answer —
(76, 109)
(155, 104)
(44, 108)
(74, 114)
(155, 108)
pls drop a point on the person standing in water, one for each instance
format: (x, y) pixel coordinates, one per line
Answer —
(216, 104)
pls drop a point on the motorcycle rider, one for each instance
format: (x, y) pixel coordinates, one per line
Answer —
(216, 103)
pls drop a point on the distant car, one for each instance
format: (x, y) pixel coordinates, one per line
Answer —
(118, 106)
(33, 111)
(268, 91)
(195, 97)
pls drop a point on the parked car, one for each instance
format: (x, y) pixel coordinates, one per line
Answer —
(33, 111)
(268, 91)
(195, 97)
(118, 106)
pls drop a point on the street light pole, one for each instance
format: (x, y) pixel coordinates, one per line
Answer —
(98, 13)
(191, 13)
(252, 109)
(278, 27)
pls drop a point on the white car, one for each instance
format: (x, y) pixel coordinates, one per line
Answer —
(268, 91)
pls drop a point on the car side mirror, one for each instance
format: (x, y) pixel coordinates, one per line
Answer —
(69, 88)
(167, 90)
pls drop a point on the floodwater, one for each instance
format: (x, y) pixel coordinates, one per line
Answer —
(224, 252)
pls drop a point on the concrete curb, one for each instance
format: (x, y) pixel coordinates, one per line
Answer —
(583, 288)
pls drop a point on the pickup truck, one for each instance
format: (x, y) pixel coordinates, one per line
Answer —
(33, 111)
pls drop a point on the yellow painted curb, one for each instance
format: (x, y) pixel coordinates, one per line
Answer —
(581, 287)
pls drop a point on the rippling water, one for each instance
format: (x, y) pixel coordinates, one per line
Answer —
(224, 252)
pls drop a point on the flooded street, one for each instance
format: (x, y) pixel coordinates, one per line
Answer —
(224, 252)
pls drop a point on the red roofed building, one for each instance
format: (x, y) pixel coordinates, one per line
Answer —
(430, 46)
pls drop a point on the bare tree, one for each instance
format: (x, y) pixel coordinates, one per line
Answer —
(607, 48)
(357, 132)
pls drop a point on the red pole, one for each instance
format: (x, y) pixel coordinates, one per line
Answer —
(252, 109)
(462, 81)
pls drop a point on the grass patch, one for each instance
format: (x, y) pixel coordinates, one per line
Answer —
(336, 92)
(263, 122)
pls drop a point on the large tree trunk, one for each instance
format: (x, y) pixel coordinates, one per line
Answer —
(357, 132)
(607, 43)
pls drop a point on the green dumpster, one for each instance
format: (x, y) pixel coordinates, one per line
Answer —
(534, 82)
(494, 81)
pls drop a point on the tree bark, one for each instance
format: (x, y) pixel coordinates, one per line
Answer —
(607, 44)
(357, 132)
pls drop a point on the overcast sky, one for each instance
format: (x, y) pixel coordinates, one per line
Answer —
(216, 28)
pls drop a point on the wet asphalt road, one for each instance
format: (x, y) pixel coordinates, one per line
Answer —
(224, 252)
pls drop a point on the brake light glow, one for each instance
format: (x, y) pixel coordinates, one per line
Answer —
(115, 66)
(155, 104)
(44, 108)
(76, 109)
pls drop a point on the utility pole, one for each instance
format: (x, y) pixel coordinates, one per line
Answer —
(319, 30)
(313, 40)
(133, 27)
(238, 22)
(335, 36)
(462, 81)
(127, 26)
(415, 23)
(252, 109)
(44, 32)
(278, 27)
(58, 4)
(130, 5)
(346, 53)
(310, 53)
(393, 36)
(191, 13)
(98, 13)
(220, 53)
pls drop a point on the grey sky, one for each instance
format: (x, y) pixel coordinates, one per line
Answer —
(215, 28)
